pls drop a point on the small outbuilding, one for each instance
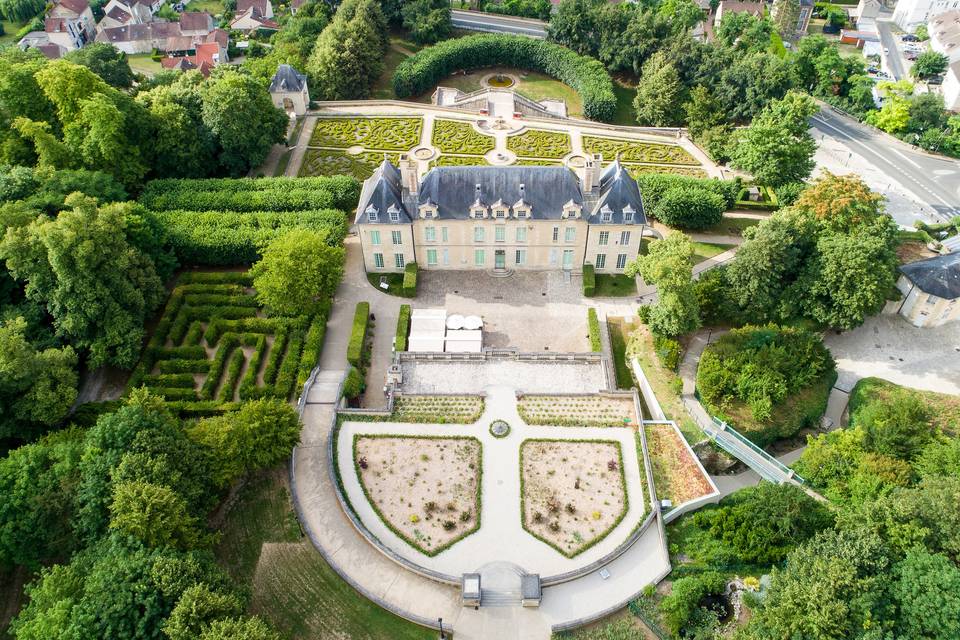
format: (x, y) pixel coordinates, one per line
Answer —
(289, 90)
(931, 290)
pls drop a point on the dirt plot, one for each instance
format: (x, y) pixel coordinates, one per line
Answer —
(578, 411)
(573, 491)
(425, 489)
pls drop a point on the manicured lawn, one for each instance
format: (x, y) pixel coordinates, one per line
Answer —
(383, 87)
(706, 250)
(395, 280)
(731, 226)
(626, 91)
(282, 165)
(334, 162)
(143, 63)
(535, 86)
(10, 29)
(614, 286)
(620, 329)
(213, 7)
(292, 586)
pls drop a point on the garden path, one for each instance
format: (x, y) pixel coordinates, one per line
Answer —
(298, 151)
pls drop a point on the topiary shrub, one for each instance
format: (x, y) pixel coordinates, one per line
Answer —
(654, 185)
(410, 280)
(589, 280)
(403, 328)
(421, 72)
(358, 335)
(594, 324)
(353, 384)
(689, 208)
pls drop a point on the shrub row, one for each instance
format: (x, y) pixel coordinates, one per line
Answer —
(219, 325)
(220, 300)
(173, 393)
(410, 280)
(689, 208)
(421, 72)
(248, 386)
(403, 328)
(213, 281)
(261, 194)
(312, 345)
(234, 366)
(169, 380)
(228, 343)
(594, 323)
(654, 185)
(589, 280)
(288, 368)
(182, 366)
(358, 335)
(229, 238)
(276, 354)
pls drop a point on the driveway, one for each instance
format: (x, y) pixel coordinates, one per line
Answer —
(889, 347)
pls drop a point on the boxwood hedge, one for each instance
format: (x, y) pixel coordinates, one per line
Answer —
(654, 185)
(248, 194)
(421, 72)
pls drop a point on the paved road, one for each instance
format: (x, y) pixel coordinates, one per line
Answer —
(935, 180)
(893, 61)
(493, 23)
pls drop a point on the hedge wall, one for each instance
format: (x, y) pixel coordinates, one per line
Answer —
(589, 280)
(361, 319)
(403, 328)
(228, 238)
(593, 322)
(410, 280)
(248, 194)
(654, 185)
(420, 73)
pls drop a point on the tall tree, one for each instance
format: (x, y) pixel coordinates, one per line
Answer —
(659, 93)
(106, 61)
(232, 100)
(348, 56)
(98, 288)
(668, 265)
(298, 274)
(785, 14)
(777, 148)
(428, 21)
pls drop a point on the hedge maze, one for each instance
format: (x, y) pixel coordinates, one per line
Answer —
(539, 143)
(329, 162)
(391, 134)
(213, 346)
(226, 222)
(456, 136)
(631, 151)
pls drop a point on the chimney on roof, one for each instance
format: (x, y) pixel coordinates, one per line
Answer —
(522, 191)
(476, 192)
(409, 174)
(591, 173)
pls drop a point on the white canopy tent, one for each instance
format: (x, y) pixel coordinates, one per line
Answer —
(427, 330)
(464, 341)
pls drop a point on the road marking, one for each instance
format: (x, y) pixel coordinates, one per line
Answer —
(904, 156)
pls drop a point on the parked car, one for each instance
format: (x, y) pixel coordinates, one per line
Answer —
(911, 55)
(886, 51)
(910, 38)
(883, 74)
(872, 70)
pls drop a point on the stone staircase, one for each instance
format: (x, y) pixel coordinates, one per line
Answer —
(500, 585)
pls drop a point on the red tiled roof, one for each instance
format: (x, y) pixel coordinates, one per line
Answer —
(50, 50)
(219, 36)
(77, 6)
(196, 21)
(208, 52)
(54, 25)
(260, 5)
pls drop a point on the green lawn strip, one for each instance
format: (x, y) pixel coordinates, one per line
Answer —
(144, 63)
(610, 285)
(293, 577)
(393, 280)
(731, 226)
(456, 136)
(540, 143)
(213, 7)
(602, 534)
(533, 85)
(383, 87)
(619, 330)
(395, 134)
(282, 164)
(478, 499)
(639, 152)
(706, 250)
(10, 29)
(626, 114)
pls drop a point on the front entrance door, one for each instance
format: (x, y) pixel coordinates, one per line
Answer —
(568, 259)
(500, 259)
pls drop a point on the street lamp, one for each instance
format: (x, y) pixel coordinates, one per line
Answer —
(440, 622)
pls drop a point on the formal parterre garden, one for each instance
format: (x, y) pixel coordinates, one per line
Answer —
(426, 490)
(676, 474)
(447, 160)
(213, 346)
(631, 151)
(438, 409)
(391, 134)
(573, 492)
(458, 136)
(320, 162)
(578, 410)
(539, 143)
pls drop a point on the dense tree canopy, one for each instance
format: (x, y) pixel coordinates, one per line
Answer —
(298, 274)
(777, 148)
(428, 21)
(348, 56)
(668, 265)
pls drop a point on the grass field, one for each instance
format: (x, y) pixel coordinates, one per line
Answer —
(143, 63)
(731, 226)
(706, 250)
(292, 586)
(10, 29)
(213, 7)
(620, 329)
(626, 90)
(614, 286)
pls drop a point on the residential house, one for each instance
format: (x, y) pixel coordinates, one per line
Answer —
(207, 52)
(803, 16)
(40, 41)
(931, 290)
(69, 23)
(944, 33)
(500, 218)
(119, 13)
(726, 7)
(196, 23)
(180, 37)
(288, 89)
(910, 14)
(253, 20)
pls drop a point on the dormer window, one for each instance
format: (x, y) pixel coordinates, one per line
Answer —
(428, 210)
(500, 210)
(373, 214)
(394, 213)
(606, 214)
(571, 210)
(628, 213)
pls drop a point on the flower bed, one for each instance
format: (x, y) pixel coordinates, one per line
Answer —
(329, 162)
(573, 493)
(632, 151)
(438, 409)
(455, 136)
(539, 143)
(426, 490)
(577, 411)
(212, 346)
(676, 475)
(398, 134)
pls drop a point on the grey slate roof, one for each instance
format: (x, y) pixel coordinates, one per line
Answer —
(382, 194)
(619, 196)
(545, 189)
(939, 276)
(287, 79)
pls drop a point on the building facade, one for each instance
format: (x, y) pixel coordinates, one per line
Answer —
(500, 219)
(288, 90)
(931, 290)
(910, 14)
